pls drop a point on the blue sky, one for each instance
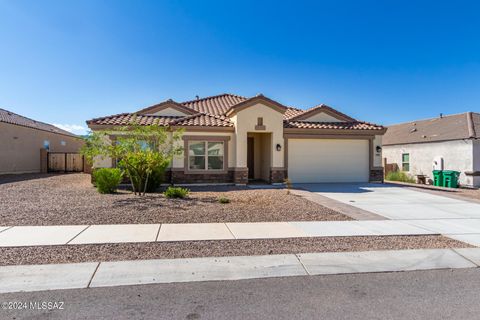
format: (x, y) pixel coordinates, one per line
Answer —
(64, 62)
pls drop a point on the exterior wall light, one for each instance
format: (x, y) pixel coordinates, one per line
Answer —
(279, 147)
(379, 149)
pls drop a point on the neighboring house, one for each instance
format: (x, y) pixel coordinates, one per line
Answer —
(448, 142)
(233, 139)
(21, 141)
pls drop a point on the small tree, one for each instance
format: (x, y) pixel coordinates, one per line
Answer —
(143, 152)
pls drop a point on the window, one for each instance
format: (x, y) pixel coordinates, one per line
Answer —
(205, 155)
(145, 145)
(46, 144)
(63, 143)
(405, 162)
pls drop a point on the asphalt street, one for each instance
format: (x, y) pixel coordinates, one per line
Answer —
(440, 294)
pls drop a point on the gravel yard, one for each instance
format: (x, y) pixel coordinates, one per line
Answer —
(469, 193)
(41, 199)
(191, 249)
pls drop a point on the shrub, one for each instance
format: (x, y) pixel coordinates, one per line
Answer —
(142, 152)
(399, 176)
(176, 192)
(223, 200)
(155, 179)
(107, 179)
(288, 183)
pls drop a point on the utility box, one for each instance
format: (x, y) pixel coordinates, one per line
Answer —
(438, 163)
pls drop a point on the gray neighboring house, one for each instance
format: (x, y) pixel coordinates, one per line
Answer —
(21, 139)
(448, 142)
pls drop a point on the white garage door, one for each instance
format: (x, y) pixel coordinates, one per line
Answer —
(328, 160)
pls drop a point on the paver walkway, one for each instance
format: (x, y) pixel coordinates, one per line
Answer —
(118, 233)
(107, 274)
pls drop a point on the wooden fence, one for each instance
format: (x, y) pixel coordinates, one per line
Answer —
(389, 167)
(62, 162)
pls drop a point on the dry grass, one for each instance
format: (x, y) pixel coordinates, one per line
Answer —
(71, 199)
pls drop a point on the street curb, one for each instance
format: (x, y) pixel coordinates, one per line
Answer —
(26, 278)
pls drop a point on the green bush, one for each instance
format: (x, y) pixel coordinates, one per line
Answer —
(107, 179)
(223, 200)
(399, 176)
(176, 192)
(156, 178)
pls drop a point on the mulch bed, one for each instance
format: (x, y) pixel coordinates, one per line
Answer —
(47, 199)
(192, 249)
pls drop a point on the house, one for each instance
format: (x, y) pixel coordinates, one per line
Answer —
(21, 141)
(447, 142)
(234, 139)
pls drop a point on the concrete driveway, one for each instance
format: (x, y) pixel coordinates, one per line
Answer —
(454, 218)
(396, 202)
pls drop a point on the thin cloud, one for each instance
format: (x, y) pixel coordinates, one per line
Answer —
(73, 128)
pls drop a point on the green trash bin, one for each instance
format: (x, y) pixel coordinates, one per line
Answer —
(438, 178)
(450, 178)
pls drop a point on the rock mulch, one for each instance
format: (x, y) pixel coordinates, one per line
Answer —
(47, 199)
(193, 249)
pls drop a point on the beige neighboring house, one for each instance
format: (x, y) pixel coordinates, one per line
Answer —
(234, 139)
(446, 142)
(22, 138)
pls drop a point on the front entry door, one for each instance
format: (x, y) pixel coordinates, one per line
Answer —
(250, 158)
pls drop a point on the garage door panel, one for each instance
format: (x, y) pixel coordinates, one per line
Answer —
(328, 160)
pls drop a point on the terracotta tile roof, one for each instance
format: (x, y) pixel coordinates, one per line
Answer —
(203, 120)
(16, 119)
(292, 112)
(356, 125)
(147, 120)
(211, 113)
(215, 105)
(124, 119)
(322, 108)
(451, 127)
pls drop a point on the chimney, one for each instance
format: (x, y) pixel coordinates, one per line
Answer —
(197, 97)
(441, 115)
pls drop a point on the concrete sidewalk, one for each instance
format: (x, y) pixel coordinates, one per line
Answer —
(108, 274)
(96, 234)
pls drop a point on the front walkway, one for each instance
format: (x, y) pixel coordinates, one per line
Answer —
(107, 274)
(96, 234)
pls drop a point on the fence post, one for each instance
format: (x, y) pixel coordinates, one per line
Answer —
(43, 160)
(384, 167)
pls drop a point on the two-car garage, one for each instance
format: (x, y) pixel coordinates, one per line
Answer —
(328, 160)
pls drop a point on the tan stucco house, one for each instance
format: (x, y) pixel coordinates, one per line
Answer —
(234, 139)
(22, 138)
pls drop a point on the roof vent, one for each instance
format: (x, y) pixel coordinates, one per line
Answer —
(413, 130)
(259, 95)
(197, 97)
(441, 115)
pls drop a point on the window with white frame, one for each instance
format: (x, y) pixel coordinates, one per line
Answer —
(205, 155)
